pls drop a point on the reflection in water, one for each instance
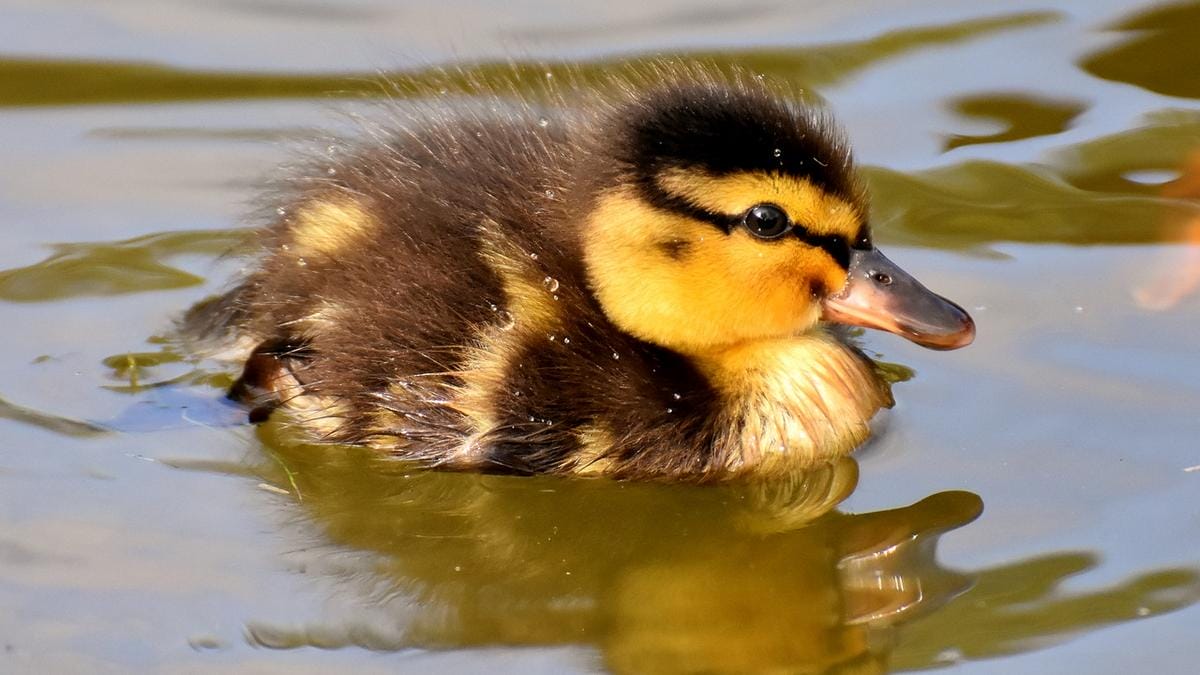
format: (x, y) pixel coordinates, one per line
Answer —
(304, 9)
(59, 425)
(975, 204)
(256, 134)
(1115, 164)
(657, 578)
(59, 82)
(114, 268)
(1164, 147)
(661, 578)
(1160, 54)
(175, 402)
(1021, 607)
(1024, 116)
(1088, 193)
(1178, 276)
(31, 82)
(672, 18)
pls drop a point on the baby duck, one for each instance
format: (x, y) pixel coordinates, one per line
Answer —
(631, 287)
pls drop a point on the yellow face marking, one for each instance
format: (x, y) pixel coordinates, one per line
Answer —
(719, 290)
(806, 204)
(328, 226)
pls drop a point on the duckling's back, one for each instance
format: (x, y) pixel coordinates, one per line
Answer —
(426, 296)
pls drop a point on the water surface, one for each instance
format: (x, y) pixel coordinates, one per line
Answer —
(1030, 505)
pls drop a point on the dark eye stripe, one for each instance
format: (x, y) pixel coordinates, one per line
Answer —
(834, 244)
(659, 198)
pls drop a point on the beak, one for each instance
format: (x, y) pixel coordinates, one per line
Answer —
(878, 294)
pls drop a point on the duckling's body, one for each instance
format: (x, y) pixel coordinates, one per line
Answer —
(573, 291)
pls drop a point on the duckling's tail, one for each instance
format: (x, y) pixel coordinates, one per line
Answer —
(212, 328)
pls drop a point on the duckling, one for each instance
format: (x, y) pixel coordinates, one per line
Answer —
(641, 285)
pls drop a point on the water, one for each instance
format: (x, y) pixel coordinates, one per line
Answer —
(1028, 159)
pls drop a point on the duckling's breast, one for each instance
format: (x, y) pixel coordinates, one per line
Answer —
(793, 402)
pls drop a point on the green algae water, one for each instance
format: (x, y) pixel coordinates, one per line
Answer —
(1031, 504)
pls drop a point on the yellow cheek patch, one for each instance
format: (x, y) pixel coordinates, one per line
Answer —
(723, 289)
(806, 204)
(775, 271)
(327, 227)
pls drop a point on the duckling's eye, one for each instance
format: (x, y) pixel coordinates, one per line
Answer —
(767, 221)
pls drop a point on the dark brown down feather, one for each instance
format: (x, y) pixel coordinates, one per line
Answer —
(443, 188)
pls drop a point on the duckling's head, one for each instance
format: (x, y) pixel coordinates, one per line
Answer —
(734, 214)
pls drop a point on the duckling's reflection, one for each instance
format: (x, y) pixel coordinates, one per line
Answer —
(748, 578)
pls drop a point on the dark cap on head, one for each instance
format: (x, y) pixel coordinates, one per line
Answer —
(725, 127)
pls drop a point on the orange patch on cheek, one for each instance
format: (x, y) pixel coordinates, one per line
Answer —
(801, 268)
(775, 280)
(834, 281)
